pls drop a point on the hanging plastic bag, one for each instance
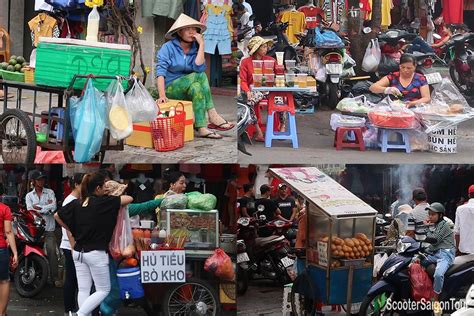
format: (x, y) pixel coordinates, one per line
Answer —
(379, 260)
(121, 244)
(140, 104)
(328, 38)
(372, 56)
(119, 118)
(321, 70)
(220, 265)
(88, 122)
(421, 284)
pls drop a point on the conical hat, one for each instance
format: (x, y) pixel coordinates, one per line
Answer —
(181, 22)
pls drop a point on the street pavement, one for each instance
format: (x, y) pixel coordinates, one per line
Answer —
(200, 150)
(316, 146)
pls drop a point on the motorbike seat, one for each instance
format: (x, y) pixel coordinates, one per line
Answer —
(265, 241)
(460, 263)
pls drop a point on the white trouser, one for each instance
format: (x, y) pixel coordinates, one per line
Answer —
(91, 266)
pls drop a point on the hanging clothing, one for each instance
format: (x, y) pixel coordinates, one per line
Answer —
(366, 7)
(167, 8)
(191, 8)
(43, 25)
(296, 25)
(219, 29)
(453, 11)
(334, 10)
(144, 190)
(41, 5)
(387, 6)
(311, 15)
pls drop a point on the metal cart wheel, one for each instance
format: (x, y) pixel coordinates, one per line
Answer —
(193, 298)
(18, 137)
(302, 294)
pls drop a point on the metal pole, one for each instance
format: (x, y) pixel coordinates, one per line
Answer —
(9, 15)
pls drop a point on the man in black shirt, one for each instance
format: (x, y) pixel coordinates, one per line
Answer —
(267, 207)
(286, 203)
(247, 202)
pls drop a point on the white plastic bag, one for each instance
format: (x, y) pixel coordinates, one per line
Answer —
(118, 116)
(321, 70)
(379, 260)
(140, 104)
(372, 56)
(339, 120)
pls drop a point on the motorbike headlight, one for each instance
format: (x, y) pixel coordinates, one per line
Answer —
(391, 269)
(37, 221)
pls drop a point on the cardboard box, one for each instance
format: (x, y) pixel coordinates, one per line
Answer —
(141, 136)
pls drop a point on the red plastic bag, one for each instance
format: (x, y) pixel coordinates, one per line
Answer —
(421, 284)
(221, 265)
(121, 244)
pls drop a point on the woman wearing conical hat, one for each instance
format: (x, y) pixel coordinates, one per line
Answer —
(180, 75)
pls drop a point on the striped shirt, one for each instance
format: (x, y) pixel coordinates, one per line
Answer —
(443, 234)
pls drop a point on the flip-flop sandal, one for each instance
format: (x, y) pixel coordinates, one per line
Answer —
(209, 136)
(220, 128)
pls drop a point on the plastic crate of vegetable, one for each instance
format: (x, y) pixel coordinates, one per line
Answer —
(13, 76)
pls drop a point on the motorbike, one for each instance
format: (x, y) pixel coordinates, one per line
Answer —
(268, 255)
(382, 223)
(31, 274)
(282, 228)
(394, 282)
(242, 267)
(281, 42)
(461, 67)
(245, 118)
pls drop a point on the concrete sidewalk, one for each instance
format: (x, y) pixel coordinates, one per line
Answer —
(200, 150)
(316, 146)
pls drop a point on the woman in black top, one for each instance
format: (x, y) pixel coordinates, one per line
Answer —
(91, 221)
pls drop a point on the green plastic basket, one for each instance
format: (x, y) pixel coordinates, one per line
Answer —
(13, 76)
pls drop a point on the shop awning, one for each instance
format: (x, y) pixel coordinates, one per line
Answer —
(323, 191)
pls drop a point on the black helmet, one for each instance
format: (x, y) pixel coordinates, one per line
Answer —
(437, 208)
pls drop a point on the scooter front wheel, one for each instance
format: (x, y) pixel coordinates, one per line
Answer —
(31, 275)
(377, 304)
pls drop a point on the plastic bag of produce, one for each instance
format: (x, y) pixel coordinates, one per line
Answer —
(175, 201)
(372, 56)
(118, 116)
(121, 244)
(140, 104)
(446, 94)
(339, 120)
(88, 122)
(357, 104)
(392, 114)
(203, 202)
(421, 284)
(220, 265)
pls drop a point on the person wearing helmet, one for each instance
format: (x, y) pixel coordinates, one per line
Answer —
(441, 238)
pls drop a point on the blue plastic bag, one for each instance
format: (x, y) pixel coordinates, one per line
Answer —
(66, 4)
(88, 117)
(328, 38)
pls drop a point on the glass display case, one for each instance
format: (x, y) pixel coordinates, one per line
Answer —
(199, 228)
(339, 235)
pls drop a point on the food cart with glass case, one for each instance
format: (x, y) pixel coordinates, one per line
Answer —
(339, 239)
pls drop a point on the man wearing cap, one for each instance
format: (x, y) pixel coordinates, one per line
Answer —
(43, 201)
(180, 75)
(464, 225)
(286, 203)
(441, 238)
(268, 208)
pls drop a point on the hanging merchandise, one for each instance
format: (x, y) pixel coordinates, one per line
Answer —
(66, 4)
(366, 8)
(372, 56)
(120, 120)
(167, 8)
(218, 34)
(87, 115)
(453, 11)
(297, 24)
(43, 25)
(41, 5)
(387, 6)
(335, 11)
(140, 103)
(311, 13)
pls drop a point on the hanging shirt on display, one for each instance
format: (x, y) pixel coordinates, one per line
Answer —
(334, 10)
(366, 7)
(387, 6)
(311, 15)
(296, 25)
(41, 5)
(219, 28)
(453, 11)
(43, 25)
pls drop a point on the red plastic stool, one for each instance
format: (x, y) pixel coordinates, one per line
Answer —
(339, 142)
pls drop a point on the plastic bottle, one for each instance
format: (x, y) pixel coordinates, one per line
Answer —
(162, 236)
(93, 25)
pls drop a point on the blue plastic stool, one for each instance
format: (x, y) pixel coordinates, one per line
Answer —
(290, 134)
(402, 143)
